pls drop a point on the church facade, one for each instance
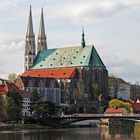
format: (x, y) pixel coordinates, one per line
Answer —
(76, 76)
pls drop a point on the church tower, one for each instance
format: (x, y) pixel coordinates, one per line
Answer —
(42, 43)
(30, 55)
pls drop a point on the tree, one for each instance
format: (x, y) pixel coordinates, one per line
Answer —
(47, 109)
(9, 109)
(13, 106)
(120, 104)
(41, 109)
(35, 103)
(12, 77)
(1, 108)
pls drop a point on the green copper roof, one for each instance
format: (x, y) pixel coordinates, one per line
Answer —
(68, 57)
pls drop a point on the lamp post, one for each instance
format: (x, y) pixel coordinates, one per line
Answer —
(75, 105)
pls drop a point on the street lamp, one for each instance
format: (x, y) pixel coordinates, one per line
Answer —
(75, 105)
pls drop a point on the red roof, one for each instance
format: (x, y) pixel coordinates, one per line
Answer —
(8, 87)
(115, 110)
(2, 89)
(51, 73)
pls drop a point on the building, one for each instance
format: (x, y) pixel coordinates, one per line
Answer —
(26, 112)
(135, 91)
(77, 72)
(136, 106)
(6, 86)
(119, 88)
(116, 111)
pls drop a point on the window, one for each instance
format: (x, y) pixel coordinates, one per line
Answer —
(30, 59)
(26, 59)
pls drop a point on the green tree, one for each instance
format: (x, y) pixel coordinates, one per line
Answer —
(1, 107)
(12, 77)
(41, 109)
(13, 106)
(120, 104)
(9, 109)
(47, 109)
(35, 103)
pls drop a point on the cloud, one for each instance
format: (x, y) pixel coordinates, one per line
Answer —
(110, 24)
(91, 11)
(123, 65)
(11, 56)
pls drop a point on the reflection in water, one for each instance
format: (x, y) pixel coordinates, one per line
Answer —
(97, 133)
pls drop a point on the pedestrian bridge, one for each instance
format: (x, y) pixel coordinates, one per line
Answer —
(68, 119)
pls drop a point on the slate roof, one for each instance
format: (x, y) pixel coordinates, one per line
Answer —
(118, 80)
(68, 57)
(51, 73)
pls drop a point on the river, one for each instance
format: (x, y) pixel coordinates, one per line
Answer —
(88, 133)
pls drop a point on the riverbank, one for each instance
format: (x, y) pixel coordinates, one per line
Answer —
(22, 126)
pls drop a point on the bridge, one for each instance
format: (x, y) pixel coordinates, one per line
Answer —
(68, 119)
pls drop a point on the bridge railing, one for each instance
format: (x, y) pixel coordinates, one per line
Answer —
(100, 115)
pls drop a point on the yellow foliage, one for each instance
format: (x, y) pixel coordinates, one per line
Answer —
(120, 104)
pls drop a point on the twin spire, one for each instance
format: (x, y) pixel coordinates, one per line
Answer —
(42, 43)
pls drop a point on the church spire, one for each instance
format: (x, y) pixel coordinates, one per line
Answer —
(83, 39)
(42, 43)
(30, 31)
(30, 48)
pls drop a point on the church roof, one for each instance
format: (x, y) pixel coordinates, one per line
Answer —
(51, 73)
(68, 57)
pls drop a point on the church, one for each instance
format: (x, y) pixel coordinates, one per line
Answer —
(74, 76)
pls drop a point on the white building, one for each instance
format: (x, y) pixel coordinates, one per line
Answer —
(26, 105)
(119, 88)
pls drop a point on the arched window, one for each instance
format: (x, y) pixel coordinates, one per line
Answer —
(30, 83)
(41, 83)
(52, 84)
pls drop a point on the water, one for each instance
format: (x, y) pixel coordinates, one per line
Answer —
(91, 133)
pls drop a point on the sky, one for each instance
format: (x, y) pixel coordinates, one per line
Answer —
(112, 26)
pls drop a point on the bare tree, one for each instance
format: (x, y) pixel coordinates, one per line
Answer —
(12, 77)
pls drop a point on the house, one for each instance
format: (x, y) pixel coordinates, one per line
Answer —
(26, 112)
(115, 111)
(136, 106)
(6, 86)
